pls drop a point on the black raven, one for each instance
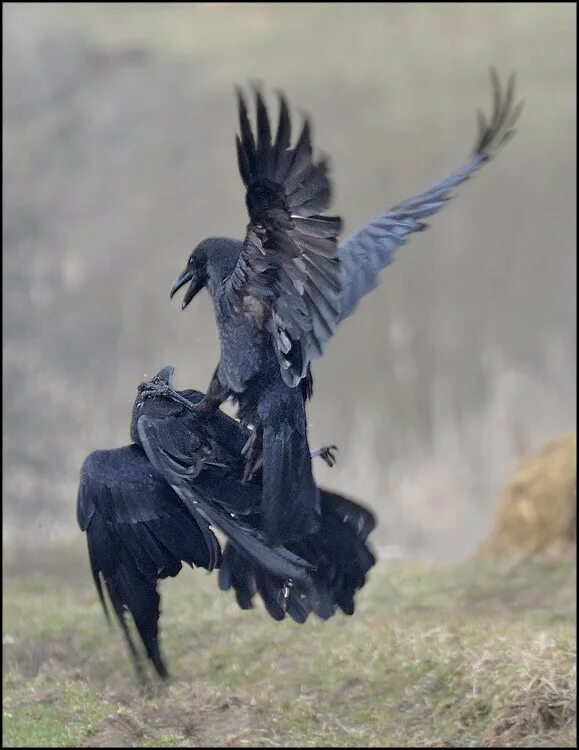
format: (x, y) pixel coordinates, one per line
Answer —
(149, 506)
(279, 293)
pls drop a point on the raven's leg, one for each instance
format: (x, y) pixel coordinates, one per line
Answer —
(215, 396)
(327, 453)
(157, 388)
(253, 451)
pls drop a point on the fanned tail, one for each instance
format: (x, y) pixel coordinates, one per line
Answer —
(338, 553)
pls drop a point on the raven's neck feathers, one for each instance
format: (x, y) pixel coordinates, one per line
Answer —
(221, 254)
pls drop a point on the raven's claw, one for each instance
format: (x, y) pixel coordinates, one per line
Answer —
(327, 453)
(156, 388)
(253, 452)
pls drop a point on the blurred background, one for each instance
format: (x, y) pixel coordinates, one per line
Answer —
(119, 158)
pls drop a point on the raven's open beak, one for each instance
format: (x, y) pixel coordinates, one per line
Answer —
(195, 286)
(181, 280)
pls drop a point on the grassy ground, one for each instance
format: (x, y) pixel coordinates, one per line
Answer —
(435, 656)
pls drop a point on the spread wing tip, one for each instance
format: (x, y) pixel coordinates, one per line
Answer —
(499, 128)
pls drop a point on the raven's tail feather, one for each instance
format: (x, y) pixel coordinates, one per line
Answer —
(277, 560)
(338, 552)
(290, 496)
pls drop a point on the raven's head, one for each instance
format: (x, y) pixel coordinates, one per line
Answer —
(163, 377)
(209, 264)
(195, 274)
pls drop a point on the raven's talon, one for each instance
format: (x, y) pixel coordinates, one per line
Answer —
(327, 454)
(155, 388)
(251, 469)
(153, 392)
(149, 393)
(248, 443)
(158, 389)
(252, 451)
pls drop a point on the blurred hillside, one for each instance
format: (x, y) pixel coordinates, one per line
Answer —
(119, 158)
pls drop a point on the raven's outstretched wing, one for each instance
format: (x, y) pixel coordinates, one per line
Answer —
(137, 532)
(288, 274)
(372, 247)
(338, 552)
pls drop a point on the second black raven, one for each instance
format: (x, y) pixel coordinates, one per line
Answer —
(279, 293)
(150, 506)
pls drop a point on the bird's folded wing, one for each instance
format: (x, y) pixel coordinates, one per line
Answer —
(221, 499)
(137, 532)
(142, 513)
(200, 456)
(288, 274)
(372, 247)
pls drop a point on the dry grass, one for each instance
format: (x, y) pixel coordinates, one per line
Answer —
(461, 655)
(537, 511)
(541, 705)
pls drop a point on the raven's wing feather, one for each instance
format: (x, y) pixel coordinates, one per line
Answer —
(359, 518)
(121, 486)
(222, 499)
(372, 247)
(192, 454)
(288, 274)
(137, 532)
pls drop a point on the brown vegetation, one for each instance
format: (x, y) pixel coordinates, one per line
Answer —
(537, 510)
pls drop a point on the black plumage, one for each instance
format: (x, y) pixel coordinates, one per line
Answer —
(138, 531)
(276, 296)
(279, 293)
(150, 506)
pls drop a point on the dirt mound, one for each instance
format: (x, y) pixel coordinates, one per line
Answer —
(537, 510)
